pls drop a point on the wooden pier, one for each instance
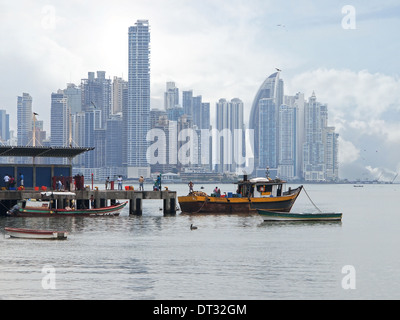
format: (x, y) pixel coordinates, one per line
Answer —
(8, 198)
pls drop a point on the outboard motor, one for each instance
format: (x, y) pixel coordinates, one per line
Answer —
(14, 210)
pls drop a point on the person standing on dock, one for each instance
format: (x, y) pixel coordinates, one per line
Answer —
(119, 180)
(6, 181)
(21, 179)
(141, 181)
(107, 182)
(92, 202)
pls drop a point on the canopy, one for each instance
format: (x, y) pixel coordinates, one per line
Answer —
(58, 152)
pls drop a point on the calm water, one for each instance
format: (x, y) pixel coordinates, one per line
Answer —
(227, 257)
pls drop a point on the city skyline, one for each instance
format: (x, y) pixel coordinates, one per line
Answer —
(347, 68)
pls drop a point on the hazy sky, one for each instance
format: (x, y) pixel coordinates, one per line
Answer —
(223, 49)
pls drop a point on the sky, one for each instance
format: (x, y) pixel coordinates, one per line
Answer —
(345, 51)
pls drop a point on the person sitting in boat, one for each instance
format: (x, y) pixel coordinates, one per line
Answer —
(217, 192)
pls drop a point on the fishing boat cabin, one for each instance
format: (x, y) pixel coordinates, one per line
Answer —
(261, 187)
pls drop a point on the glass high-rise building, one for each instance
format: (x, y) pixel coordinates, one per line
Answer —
(96, 92)
(315, 118)
(4, 126)
(60, 122)
(136, 115)
(24, 119)
(171, 95)
(229, 117)
(264, 121)
(287, 136)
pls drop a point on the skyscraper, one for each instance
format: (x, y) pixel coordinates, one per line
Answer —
(4, 126)
(136, 115)
(24, 119)
(187, 100)
(59, 126)
(74, 98)
(291, 137)
(171, 95)
(96, 92)
(229, 118)
(272, 88)
(315, 119)
(331, 153)
(119, 94)
(287, 151)
(267, 134)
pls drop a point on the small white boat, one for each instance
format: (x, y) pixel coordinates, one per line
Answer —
(35, 234)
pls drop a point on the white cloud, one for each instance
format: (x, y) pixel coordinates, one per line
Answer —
(360, 96)
(348, 152)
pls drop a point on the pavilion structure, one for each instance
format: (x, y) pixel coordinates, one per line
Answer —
(38, 175)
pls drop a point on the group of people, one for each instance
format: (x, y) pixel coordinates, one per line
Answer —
(217, 192)
(119, 182)
(10, 181)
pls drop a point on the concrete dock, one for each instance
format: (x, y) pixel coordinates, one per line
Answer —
(8, 198)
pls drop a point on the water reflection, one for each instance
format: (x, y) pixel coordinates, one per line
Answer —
(227, 257)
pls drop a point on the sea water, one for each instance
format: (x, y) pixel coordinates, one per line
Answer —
(226, 257)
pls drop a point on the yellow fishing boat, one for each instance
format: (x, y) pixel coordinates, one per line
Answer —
(253, 194)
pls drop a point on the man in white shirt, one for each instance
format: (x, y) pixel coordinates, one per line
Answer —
(119, 180)
(6, 181)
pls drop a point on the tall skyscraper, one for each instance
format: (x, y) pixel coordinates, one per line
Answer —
(119, 94)
(316, 118)
(291, 137)
(137, 122)
(4, 126)
(96, 92)
(59, 127)
(92, 122)
(24, 119)
(74, 98)
(272, 88)
(171, 96)
(187, 100)
(287, 148)
(267, 134)
(229, 118)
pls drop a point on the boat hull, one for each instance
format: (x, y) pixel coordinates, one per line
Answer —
(285, 216)
(40, 212)
(216, 205)
(36, 234)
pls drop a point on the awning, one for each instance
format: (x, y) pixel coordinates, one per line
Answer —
(57, 152)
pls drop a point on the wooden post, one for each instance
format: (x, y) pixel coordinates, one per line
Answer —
(132, 206)
(173, 205)
(138, 206)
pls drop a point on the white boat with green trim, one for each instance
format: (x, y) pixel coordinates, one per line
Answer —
(286, 216)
